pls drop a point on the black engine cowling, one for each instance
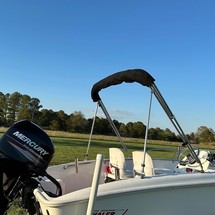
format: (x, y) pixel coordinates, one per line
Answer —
(26, 143)
(25, 153)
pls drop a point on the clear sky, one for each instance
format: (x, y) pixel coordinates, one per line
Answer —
(55, 50)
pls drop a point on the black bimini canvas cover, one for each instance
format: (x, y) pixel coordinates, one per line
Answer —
(128, 76)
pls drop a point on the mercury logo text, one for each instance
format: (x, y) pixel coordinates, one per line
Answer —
(30, 143)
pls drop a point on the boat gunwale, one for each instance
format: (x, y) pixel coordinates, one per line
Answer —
(71, 198)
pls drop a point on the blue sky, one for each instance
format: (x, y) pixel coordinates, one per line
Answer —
(55, 50)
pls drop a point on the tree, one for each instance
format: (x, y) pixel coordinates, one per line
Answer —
(77, 122)
(62, 117)
(13, 107)
(23, 111)
(169, 135)
(129, 128)
(102, 126)
(34, 107)
(45, 118)
(205, 134)
(139, 130)
(3, 109)
(54, 125)
(153, 134)
(116, 123)
(123, 130)
(160, 134)
(193, 138)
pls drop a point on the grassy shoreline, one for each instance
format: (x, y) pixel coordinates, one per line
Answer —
(70, 146)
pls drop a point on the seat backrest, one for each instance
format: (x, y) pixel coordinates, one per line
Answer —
(138, 158)
(203, 155)
(117, 161)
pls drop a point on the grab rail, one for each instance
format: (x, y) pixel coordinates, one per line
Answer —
(95, 184)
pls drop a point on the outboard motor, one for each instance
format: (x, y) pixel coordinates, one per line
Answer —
(25, 153)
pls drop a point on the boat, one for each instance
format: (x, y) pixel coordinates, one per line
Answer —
(124, 186)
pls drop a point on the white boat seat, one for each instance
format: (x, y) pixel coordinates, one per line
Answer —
(203, 155)
(117, 165)
(138, 158)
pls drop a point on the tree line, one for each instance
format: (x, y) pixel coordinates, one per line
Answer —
(15, 107)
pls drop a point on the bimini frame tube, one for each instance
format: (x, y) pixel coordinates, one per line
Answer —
(112, 124)
(175, 123)
(91, 132)
(146, 136)
(100, 104)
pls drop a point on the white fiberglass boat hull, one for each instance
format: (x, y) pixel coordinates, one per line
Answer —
(163, 195)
